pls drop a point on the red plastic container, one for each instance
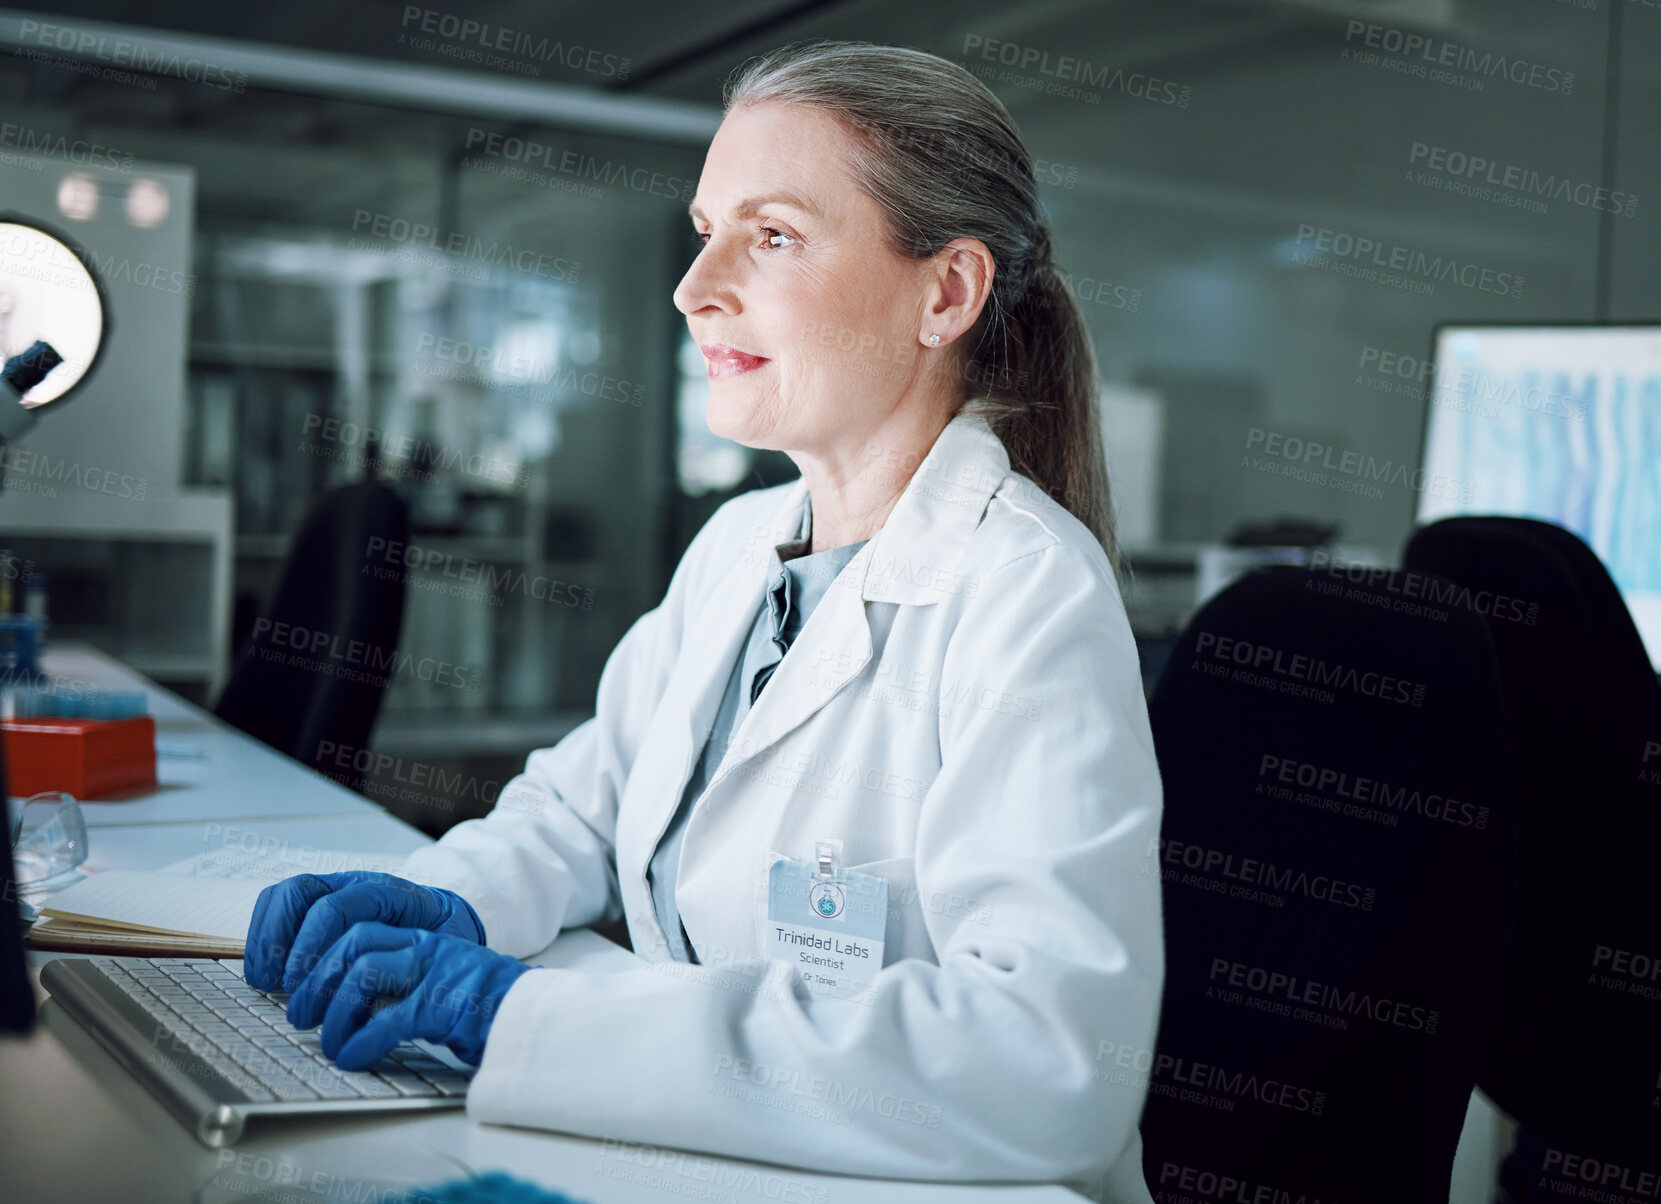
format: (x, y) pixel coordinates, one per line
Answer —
(90, 758)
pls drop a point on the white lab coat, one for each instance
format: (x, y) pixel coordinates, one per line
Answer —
(964, 712)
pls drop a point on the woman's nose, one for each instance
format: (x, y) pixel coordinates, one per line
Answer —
(709, 281)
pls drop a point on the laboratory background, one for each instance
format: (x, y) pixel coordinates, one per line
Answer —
(386, 322)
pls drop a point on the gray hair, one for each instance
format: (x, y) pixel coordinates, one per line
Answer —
(942, 157)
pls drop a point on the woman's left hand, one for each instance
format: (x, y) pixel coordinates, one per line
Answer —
(443, 989)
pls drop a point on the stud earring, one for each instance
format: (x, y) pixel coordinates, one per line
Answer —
(934, 340)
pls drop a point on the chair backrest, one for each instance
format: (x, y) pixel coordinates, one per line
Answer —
(1338, 856)
(1576, 1049)
(310, 678)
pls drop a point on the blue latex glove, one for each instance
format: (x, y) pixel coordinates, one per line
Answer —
(492, 1187)
(447, 990)
(297, 920)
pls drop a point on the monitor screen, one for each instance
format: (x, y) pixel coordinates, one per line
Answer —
(17, 997)
(1560, 423)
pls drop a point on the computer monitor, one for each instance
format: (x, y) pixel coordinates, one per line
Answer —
(1560, 423)
(17, 998)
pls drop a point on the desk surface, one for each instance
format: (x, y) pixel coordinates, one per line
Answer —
(235, 779)
(77, 1126)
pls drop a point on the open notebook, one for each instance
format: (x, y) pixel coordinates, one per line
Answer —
(150, 911)
(199, 907)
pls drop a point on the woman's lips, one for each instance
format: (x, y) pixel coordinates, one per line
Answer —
(722, 361)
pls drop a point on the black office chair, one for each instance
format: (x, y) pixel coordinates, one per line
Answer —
(1338, 854)
(309, 679)
(1576, 1050)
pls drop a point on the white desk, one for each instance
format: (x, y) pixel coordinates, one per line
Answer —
(234, 781)
(74, 1125)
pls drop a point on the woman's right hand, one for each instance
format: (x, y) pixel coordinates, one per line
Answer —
(296, 921)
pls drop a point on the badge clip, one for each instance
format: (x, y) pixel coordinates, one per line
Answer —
(829, 855)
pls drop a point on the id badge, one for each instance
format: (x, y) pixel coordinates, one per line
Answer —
(825, 922)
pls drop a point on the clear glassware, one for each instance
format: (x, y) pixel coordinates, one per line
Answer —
(49, 841)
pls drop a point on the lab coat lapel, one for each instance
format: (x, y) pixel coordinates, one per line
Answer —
(693, 693)
(832, 649)
(924, 538)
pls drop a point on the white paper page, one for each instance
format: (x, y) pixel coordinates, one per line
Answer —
(281, 863)
(217, 907)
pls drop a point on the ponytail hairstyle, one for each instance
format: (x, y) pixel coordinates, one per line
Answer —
(942, 157)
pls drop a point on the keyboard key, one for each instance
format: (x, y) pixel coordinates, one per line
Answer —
(245, 1083)
(328, 1084)
(371, 1087)
(409, 1084)
(286, 1087)
(244, 1034)
(422, 1065)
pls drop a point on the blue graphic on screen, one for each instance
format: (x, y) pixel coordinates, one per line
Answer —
(1561, 424)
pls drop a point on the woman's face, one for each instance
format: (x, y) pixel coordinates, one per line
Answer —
(808, 320)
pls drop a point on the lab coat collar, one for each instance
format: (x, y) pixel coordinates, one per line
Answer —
(909, 560)
(912, 557)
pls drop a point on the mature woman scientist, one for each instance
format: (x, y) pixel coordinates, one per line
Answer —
(873, 784)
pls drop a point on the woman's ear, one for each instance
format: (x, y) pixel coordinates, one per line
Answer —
(963, 271)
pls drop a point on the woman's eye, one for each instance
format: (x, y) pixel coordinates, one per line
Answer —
(703, 238)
